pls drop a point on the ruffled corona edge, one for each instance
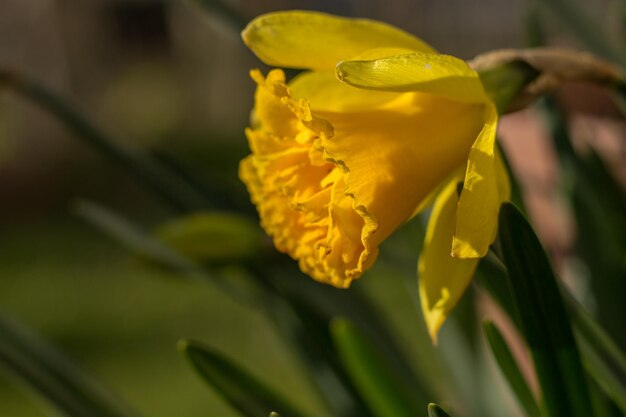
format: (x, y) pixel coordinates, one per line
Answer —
(302, 193)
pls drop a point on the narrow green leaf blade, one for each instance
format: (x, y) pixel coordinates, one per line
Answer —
(602, 359)
(543, 319)
(307, 328)
(509, 368)
(148, 248)
(386, 396)
(212, 237)
(244, 392)
(157, 177)
(53, 376)
(590, 32)
(435, 411)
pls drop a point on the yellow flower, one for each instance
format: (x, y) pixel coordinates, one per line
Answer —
(378, 127)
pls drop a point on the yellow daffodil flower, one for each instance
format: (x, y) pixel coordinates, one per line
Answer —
(379, 126)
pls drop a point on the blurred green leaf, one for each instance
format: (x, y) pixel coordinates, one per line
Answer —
(274, 414)
(312, 301)
(225, 12)
(492, 275)
(212, 237)
(166, 183)
(435, 411)
(384, 393)
(245, 393)
(599, 207)
(357, 307)
(580, 23)
(543, 318)
(607, 378)
(307, 329)
(54, 377)
(603, 360)
(135, 239)
(148, 248)
(510, 370)
(601, 357)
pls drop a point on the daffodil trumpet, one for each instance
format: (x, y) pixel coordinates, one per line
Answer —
(377, 128)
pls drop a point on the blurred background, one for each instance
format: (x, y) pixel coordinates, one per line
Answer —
(171, 77)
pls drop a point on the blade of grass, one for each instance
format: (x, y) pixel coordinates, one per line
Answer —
(156, 176)
(244, 392)
(157, 253)
(543, 319)
(53, 376)
(601, 357)
(354, 305)
(603, 374)
(603, 360)
(435, 411)
(212, 237)
(381, 389)
(580, 24)
(510, 370)
(307, 328)
(599, 208)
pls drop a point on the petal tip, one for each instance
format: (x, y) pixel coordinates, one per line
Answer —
(464, 250)
(246, 33)
(434, 335)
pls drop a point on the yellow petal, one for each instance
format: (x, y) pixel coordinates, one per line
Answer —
(485, 187)
(442, 278)
(324, 91)
(438, 74)
(395, 155)
(305, 39)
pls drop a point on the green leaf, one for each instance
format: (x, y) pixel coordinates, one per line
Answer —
(307, 328)
(314, 304)
(133, 238)
(212, 237)
(601, 357)
(599, 207)
(148, 248)
(492, 275)
(357, 307)
(543, 319)
(603, 360)
(245, 393)
(53, 376)
(380, 388)
(435, 411)
(509, 368)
